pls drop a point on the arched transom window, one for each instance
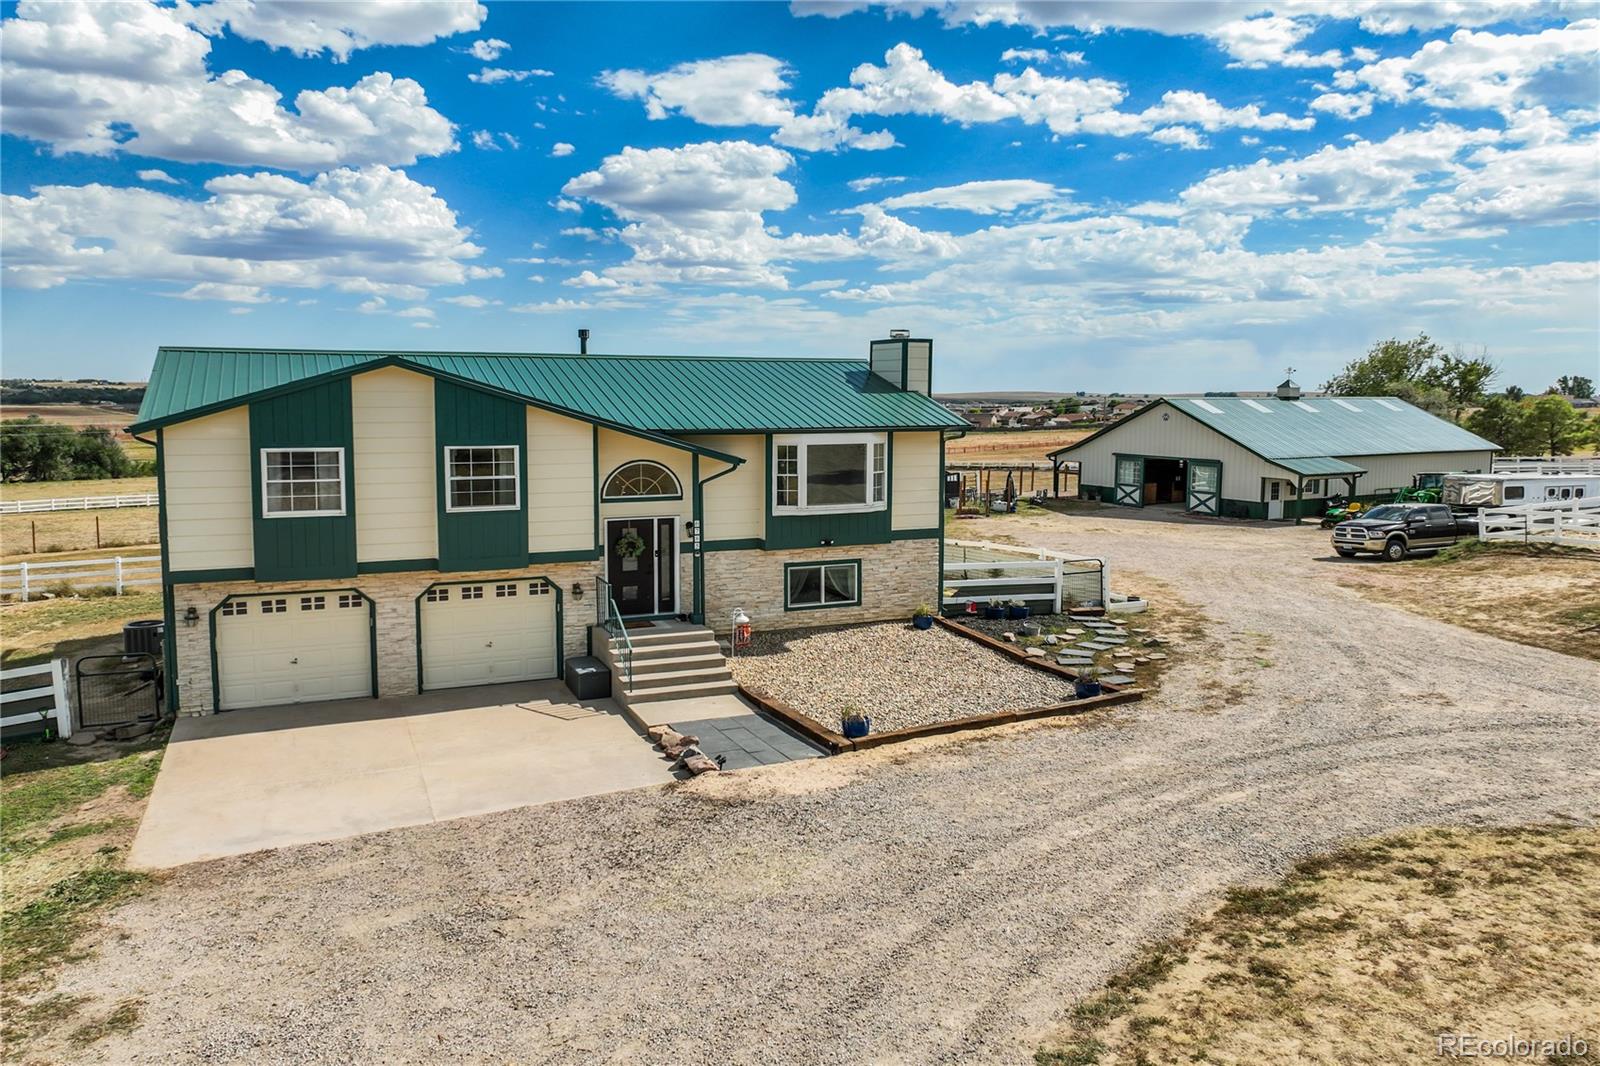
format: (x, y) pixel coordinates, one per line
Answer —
(642, 480)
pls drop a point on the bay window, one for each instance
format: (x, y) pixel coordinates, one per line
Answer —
(830, 473)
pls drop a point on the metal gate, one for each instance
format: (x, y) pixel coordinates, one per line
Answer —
(117, 689)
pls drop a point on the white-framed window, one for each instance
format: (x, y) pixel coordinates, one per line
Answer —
(350, 599)
(808, 585)
(441, 595)
(503, 591)
(234, 608)
(483, 478)
(274, 606)
(302, 482)
(830, 473)
(472, 592)
(539, 588)
(313, 603)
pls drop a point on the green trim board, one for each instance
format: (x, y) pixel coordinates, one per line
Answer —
(372, 632)
(290, 547)
(396, 566)
(577, 555)
(561, 631)
(204, 577)
(809, 563)
(169, 610)
(734, 545)
(490, 539)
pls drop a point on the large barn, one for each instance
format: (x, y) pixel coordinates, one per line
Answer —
(1275, 458)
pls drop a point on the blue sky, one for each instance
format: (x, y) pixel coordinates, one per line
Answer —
(1065, 195)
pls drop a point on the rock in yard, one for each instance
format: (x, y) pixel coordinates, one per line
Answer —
(1034, 653)
(1009, 638)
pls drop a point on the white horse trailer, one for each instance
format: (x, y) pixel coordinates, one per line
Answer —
(1513, 489)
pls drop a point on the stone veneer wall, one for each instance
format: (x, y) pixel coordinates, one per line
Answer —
(895, 578)
(396, 599)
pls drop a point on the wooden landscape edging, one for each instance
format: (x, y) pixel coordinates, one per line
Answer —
(837, 743)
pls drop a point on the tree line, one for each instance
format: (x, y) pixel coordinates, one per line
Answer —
(1456, 386)
(22, 392)
(32, 449)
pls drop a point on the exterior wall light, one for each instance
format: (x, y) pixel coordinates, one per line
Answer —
(191, 617)
(577, 590)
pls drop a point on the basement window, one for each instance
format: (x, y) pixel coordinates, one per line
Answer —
(810, 585)
(302, 482)
(483, 479)
(830, 473)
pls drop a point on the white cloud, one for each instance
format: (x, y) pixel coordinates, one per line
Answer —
(214, 290)
(1269, 40)
(1500, 189)
(863, 184)
(979, 197)
(737, 90)
(485, 140)
(126, 75)
(496, 75)
(373, 231)
(470, 300)
(1344, 105)
(158, 176)
(586, 232)
(1025, 55)
(561, 148)
(338, 27)
(240, 310)
(1481, 70)
(415, 312)
(488, 49)
(1181, 136)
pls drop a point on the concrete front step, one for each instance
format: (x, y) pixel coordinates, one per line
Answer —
(687, 675)
(667, 664)
(681, 692)
(665, 635)
(651, 652)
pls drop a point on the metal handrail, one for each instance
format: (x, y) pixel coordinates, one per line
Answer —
(609, 617)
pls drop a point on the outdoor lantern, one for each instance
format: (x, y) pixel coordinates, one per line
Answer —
(191, 617)
(577, 590)
(741, 629)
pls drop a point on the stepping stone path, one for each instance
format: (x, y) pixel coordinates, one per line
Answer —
(1073, 660)
(1156, 656)
(1096, 646)
(1072, 632)
(1113, 640)
(1051, 638)
(1118, 679)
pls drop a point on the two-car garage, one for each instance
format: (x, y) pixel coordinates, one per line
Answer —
(302, 647)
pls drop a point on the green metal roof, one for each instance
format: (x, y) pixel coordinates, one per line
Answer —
(1318, 465)
(1318, 427)
(663, 394)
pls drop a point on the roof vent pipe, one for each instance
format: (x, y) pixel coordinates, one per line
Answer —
(583, 342)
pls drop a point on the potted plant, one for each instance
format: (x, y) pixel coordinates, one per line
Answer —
(995, 609)
(1017, 609)
(922, 617)
(1084, 685)
(854, 722)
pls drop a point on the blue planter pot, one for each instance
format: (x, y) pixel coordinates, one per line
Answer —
(856, 728)
(994, 613)
(1085, 687)
(1016, 612)
(922, 621)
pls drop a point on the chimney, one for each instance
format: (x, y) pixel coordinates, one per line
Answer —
(583, 342)
(903, 361)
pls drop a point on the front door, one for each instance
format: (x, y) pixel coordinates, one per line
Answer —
(1205, 486)
(1129, 489)
(631, 564)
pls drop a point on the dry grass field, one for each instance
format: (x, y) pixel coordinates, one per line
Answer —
(1548, 597)
(42, 536)
(1368, 956)
(1003, 444)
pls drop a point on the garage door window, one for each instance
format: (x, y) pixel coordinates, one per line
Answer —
(234, 608)
(302, 482)
(313, 603)
(274, 606)
(502, 591)
(438, 596)
(482, 479)
(472, 592)
(349, 599)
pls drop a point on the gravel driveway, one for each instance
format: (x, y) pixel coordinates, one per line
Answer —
(933, 902)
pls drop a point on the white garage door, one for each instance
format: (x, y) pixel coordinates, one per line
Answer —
(488, 634)
(293, 648)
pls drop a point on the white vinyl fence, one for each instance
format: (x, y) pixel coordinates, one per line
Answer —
(1048, 582)
(43, 690)
(78, 503)
(1523, 464)
(1571, 522)
(25, 580)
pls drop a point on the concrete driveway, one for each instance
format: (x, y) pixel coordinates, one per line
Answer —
(247, 780)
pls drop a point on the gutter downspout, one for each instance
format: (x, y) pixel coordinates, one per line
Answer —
(945, 437)
(169, 611)
(698, 616)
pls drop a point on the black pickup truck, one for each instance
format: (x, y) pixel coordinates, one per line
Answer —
(1394, 530)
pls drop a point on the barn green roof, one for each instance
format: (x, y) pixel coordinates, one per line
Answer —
(659, 394)
(1319, 428)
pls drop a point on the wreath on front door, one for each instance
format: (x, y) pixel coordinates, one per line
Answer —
(630, 545)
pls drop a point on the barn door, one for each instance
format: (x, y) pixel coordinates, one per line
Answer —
(1130, 481)
(1205, 486)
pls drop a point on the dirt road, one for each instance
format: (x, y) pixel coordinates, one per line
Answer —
(931, 903)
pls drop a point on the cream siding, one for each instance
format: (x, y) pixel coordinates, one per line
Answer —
(919, 367)
(1394, 471)
(396, 475)
(735, 504)
(1177, 437)
(618, 448)
(561, 483)
(885, 361)
(206, 463)
(914, 495)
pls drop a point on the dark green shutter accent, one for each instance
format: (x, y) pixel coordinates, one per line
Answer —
(826, 530)
(480, 540)
(169, 611)
(294, 549)
(938, 589)
(699, 563)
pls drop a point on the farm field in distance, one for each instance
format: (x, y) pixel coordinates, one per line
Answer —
(982, 445)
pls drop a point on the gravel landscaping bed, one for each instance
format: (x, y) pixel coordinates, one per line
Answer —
(899, 675)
